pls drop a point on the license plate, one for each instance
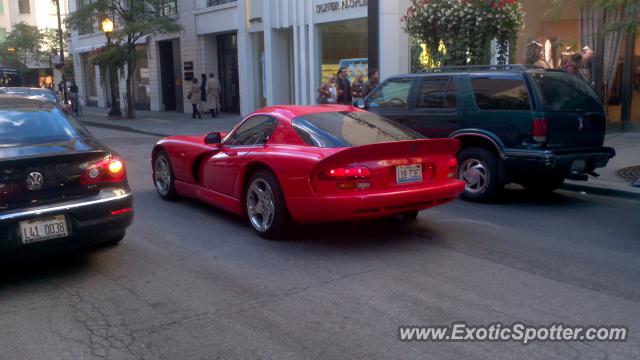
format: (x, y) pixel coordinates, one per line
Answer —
(579, 165)
(408, 173)
(43, 229)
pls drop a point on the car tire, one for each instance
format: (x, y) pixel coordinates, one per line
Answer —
(479, 168)
(163, 178)
(545, 186)
(266, 209)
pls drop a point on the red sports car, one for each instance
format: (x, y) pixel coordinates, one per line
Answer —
(309, 164)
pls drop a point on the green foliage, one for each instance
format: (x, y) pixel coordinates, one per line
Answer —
(30, 45)
(133, 20)
(459, 32)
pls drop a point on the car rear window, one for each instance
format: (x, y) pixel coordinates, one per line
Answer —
(20, 126)
(346, 129)
(562, 92)
(500, 93)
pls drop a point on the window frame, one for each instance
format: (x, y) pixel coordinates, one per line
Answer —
(501, 76)
(20, 6)
(230, 136)
(408, 105)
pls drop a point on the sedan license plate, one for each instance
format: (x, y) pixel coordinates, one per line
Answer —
(43, 229)
(579, 165)
(408, 173)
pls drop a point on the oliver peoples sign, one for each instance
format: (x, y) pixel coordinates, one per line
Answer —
(340, 5)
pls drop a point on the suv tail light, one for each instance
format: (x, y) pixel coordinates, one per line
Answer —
(356, 177)
(111, 169)
(453, 167)
(539, 129)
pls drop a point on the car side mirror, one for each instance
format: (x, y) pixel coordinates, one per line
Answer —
(213, 138)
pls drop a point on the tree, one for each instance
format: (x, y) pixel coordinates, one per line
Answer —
(29, 45)
(133, 19)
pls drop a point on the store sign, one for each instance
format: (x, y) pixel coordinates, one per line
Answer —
(340, 5)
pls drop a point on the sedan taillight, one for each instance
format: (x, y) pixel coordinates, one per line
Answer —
(111, 169)
(353, 177)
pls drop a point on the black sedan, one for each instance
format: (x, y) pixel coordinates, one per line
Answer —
(59, 187)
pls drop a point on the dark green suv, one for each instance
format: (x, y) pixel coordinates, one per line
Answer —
(517, 124)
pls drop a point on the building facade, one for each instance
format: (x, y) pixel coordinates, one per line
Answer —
(263, 52)
(40, 13)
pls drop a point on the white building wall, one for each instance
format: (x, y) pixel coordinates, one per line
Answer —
(291, 44)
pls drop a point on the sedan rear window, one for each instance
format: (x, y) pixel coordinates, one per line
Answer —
(33, 126)
(346, 129)
(562, 92)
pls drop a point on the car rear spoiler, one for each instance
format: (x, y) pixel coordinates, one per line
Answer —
(392, 150)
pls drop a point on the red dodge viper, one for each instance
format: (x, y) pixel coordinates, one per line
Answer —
(309, 164)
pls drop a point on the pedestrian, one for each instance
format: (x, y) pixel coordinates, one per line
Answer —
(344, 87)
(374, 80)
(323, 94)
(73, 89)
(356, 89)
(333, 91)
(194, 98)
(587, 66)
(203, 93)
(214, 91)
(573, 65)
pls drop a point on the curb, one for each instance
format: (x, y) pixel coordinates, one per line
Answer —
(595, 190)
(122, 128)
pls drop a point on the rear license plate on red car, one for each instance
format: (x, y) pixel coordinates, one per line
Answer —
(408, 173)
(43, 229)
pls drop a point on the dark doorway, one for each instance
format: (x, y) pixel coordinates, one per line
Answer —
(171, 75)
(228, 72)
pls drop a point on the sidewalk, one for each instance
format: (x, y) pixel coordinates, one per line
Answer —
(627, 147)
(157, 123)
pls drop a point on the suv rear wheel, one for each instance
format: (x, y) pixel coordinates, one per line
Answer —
(480, 170)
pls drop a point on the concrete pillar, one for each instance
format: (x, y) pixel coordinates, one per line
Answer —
(245, 67)
(394, 42)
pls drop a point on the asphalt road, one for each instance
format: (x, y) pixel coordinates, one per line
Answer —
(192, 282)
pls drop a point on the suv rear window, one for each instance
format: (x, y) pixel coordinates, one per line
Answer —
(346, 129)
(19, 126)
(500, 93)
(562, 92)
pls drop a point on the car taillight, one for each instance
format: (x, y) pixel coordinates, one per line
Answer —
(111, 169)
(452, 165)
(354, 177)
(539, 130)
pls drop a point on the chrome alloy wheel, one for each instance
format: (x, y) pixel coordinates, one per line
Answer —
(162, 175)
(260, 205)
(475, 175)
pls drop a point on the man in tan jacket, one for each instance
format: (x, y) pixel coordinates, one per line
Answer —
(214, 91)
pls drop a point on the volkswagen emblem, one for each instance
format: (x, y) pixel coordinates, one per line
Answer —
(35, 180)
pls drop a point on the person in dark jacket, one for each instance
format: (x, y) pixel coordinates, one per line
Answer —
(203, 93)
(374, 80)
(344, 88)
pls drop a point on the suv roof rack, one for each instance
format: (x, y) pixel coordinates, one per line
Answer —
(482, 68)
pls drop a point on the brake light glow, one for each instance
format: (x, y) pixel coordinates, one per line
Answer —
(539, 129)
(111, 169)
(348, 178)
(347, 173)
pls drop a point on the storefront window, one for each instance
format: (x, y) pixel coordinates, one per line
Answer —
(141, 79)
(343, 44)
(90, 88)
